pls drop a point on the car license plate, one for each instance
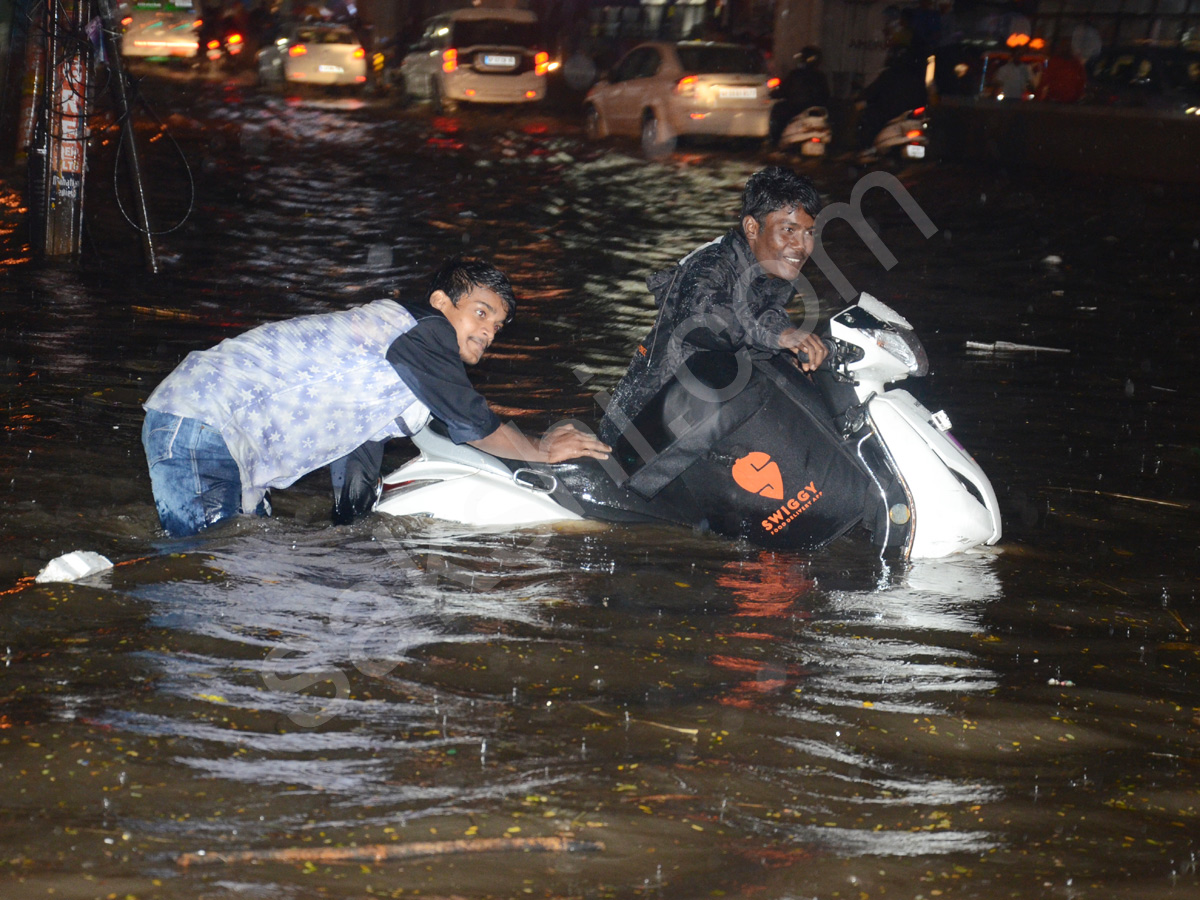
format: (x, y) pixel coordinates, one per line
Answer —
(337, 69)
(490, 59)
(737, 93)
(915, 151)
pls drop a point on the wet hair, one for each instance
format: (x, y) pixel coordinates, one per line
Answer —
(458, 276)
(775, 188)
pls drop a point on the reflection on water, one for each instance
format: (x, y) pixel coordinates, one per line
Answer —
(883, 637)
(721, 719)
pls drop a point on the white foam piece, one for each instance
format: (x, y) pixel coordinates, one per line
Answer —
(73, 566)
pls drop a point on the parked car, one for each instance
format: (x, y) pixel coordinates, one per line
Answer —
(476, 55)
(1147, 75)
(321, 53)
(661, 91)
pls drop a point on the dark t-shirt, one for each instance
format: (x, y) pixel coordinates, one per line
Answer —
(426, 358)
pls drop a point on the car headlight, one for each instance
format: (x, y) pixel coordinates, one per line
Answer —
(906, 347)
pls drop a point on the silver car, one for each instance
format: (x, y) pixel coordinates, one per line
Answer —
(477, 55)
(660, 91)
(314, 53)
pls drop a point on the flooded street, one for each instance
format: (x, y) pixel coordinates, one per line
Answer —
(286, 709)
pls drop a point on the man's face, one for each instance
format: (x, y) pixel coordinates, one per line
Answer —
(477, 319)
(783, 242)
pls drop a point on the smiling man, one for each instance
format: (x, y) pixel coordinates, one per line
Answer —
(262, 409)
(731, 294)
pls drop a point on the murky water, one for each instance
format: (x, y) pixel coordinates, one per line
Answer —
(701, 718)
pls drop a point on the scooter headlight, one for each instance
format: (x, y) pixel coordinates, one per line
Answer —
(906, 347)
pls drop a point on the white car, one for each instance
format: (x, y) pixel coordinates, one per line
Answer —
(477, 55)
(314, 53)
(661, 91)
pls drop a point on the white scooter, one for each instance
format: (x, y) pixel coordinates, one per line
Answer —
(775, 462)
(907, 135)
(945, 488)
(809, 132)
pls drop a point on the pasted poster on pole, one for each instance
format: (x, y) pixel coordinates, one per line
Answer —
(67, 157)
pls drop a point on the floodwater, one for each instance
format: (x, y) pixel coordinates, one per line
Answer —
(601, 711)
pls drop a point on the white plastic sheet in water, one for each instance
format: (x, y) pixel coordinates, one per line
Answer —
(73, 566)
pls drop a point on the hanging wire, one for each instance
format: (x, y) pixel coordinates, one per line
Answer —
(73, 40)
(163, 129)
(124, 122)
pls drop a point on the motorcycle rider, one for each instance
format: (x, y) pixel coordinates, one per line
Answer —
(1014, 80)
(729, 294)
(264, 408)
(804, 86)
(899, 87)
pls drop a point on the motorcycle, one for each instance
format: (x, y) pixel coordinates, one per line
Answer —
(750, 449)
(809, 131)
(907, 135)
(228, 47)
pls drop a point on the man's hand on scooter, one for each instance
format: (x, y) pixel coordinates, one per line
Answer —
(568, 442)
(810, 350)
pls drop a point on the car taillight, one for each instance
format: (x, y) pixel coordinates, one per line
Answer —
(919, 111)
(541, 63)
(915, 133)
(360, 53)
(127, 21)
(772, 83)
(449, 59)
(213, 45)
(297, 50)
(197, 23)
(686, 87)
(234, 38)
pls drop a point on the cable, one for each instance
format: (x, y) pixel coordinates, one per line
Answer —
(123, 123)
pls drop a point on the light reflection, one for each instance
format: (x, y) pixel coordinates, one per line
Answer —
(873, 688)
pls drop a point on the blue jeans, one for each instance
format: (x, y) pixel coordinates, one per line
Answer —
(194, 479)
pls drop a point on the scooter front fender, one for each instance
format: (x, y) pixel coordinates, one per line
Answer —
(952, 502)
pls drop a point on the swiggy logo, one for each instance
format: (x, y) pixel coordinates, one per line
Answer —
(757, 473)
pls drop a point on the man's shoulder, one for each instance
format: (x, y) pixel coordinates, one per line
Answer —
(431, 333)
(718, 258)
(426, 318)
(724, 251)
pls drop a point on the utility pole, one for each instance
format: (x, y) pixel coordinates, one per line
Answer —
(57, 157)
(60, 59)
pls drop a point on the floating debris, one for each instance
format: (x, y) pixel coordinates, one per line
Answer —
(73, 566)
(1007, 347)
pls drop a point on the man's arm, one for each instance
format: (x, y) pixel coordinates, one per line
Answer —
(726, 310)
(755, 319)
(557, 445)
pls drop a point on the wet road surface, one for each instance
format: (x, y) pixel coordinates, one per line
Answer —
(700, 717)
